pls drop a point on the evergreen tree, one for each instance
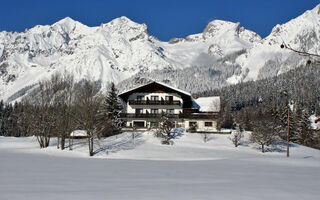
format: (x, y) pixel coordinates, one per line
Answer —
(1, 118)
(283, 120)
(113, 108)
(304, 134)
(227, 120)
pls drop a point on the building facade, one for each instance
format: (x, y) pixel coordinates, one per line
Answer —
(144, 106)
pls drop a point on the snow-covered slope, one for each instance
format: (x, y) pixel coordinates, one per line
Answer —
(110, 52)
(142, 168)
(266, 59)
(223, 53)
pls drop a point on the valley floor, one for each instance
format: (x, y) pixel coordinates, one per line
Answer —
(142, 168)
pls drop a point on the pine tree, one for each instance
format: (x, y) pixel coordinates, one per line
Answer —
(113, 108)
(304, 133)
(282, 118)
(1, 118)
(227, 120)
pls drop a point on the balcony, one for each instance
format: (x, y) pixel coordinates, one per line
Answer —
(154, 102)
(176, 116)
(199, 116)
(145, 115)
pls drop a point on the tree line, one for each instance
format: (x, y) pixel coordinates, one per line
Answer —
(58, 107)
(264, 105)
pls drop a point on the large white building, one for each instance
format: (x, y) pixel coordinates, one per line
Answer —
(144, 105)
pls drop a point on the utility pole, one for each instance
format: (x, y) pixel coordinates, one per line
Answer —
(286, 95)
(288, 133)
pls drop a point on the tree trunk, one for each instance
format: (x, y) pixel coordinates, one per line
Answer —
(288, 133)
(47, 141)
(90, 140)
(63, 142)
(70, 143)
(58, 142)
(262, 148)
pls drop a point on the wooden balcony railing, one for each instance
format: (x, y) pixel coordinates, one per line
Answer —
(145, 115)
(154, 102)
(177, 116)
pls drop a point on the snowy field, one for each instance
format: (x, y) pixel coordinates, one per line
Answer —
(142, 168)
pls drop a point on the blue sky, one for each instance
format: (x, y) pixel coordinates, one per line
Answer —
(165, 18)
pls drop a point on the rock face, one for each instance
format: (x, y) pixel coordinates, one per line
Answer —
(122, 50)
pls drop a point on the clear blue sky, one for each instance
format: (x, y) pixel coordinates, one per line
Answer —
(165, 18)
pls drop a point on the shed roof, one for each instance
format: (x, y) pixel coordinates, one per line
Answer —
(207, 104)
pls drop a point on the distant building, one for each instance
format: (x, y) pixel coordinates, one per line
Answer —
(144, 105)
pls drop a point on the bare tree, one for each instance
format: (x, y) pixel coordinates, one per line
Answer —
(205, 138)
(88, 103)
(236, 135)
(64, 86)
(41, 119)
(313, 58)
(264, 132)
(165, 127)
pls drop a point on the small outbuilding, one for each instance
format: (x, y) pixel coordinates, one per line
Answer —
(78, 134)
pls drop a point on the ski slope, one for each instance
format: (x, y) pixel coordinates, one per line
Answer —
(142, 168)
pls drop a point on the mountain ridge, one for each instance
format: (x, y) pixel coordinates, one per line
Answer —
(122, 50)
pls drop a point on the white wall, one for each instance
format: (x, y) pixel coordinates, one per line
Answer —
(201, 124)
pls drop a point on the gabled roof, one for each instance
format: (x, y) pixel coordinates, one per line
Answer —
(156, 82)
(158, 86)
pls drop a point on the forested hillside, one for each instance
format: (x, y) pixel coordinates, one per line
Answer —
(302, 86)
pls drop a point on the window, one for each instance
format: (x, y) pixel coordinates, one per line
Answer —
(154, 98)
(139, 110)
(140, 98)
(169, 98)
(192, 124)
(153, 124)
(154, 111)
(208, 124)
(138, 124)
(170, 111)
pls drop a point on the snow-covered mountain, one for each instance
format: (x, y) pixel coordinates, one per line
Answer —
(122, 51)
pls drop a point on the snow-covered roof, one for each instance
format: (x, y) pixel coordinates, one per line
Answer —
(160, 83)
(207, 104)
(78, 133)
(315, 126)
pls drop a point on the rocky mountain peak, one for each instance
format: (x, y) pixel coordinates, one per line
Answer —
(224, 53)
(125, 27)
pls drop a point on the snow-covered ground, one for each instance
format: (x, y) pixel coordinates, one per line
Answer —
(142, 168)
